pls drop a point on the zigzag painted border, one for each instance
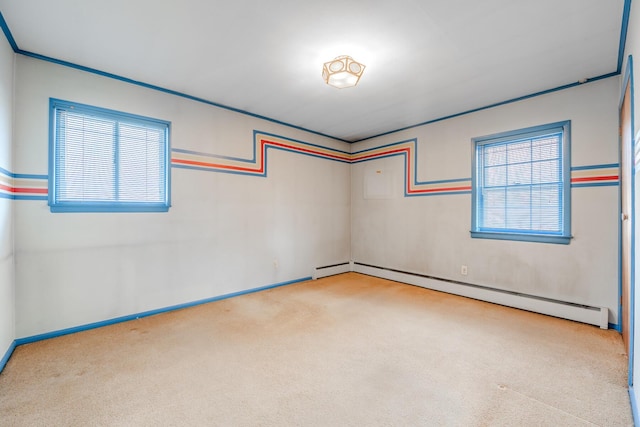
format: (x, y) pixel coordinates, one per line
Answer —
(581, 176)
(262, 142)
(257, 165)
(35, 187)
(412, 187)
(17, 186)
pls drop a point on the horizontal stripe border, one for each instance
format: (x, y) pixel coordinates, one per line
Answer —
(604, 175)
(16, 186)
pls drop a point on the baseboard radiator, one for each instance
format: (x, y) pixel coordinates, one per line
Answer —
(332, 270)
(598, 316)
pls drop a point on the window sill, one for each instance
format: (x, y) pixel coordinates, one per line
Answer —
(522, 237)
(108, 207)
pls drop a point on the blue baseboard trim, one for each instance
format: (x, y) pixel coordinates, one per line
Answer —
(67, 331)
(7, 355)
(615, 327)
(634, 407)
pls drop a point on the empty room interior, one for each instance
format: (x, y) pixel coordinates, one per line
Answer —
(329, 213)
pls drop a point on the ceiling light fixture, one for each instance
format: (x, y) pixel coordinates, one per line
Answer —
(342, 72)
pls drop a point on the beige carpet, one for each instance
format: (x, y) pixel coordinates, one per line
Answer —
(348, 350)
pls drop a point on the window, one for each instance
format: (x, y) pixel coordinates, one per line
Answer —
(106, 161)
(521, 185)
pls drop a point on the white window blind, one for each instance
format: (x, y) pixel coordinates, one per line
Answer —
(520, 185)
(107, 161)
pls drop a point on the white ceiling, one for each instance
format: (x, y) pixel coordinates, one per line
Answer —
(426, 59)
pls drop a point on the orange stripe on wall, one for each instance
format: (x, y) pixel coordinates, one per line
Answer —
(596, 178)
(23, 190)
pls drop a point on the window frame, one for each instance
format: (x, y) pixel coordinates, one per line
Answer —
(107, 205)
(563, 237)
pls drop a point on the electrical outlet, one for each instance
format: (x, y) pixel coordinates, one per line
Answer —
(463, 270)
(275, 263)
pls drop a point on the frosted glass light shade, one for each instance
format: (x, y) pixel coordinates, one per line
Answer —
(342, 72)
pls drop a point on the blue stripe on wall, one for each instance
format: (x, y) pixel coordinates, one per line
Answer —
(22, 175)
(596, 184)
(591, 167)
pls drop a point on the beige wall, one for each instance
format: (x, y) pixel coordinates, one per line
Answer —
(225, 233)
(429, 235)
(7, 285)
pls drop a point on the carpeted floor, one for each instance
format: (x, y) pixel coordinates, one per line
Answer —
(348, 350)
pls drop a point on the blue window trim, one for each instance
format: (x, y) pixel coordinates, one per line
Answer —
(107, 206)
(519, 235)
